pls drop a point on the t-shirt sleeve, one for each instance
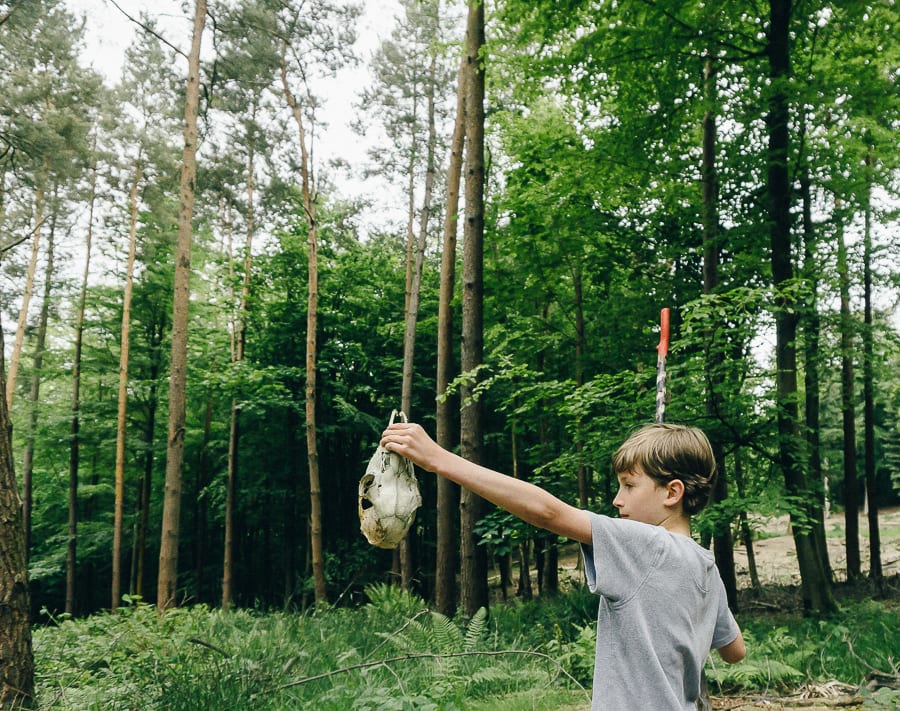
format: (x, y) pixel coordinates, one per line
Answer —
(726, 629)
(621, 556)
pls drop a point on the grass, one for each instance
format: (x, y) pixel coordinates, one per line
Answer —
(395, 654)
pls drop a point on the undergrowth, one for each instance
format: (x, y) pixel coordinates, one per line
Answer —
(394, 653)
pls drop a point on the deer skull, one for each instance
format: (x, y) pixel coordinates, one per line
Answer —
(388, 497)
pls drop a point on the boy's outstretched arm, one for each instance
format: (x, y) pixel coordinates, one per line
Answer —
(522, 499)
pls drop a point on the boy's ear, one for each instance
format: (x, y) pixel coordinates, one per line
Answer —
(674, 492)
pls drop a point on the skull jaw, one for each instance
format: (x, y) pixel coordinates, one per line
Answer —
(384, 532)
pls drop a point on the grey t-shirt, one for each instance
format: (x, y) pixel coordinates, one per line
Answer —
(662, 608)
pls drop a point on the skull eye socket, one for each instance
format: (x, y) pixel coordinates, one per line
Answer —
(364, 485)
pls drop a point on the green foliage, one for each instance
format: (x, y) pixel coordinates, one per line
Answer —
(784, 652)
(393, 653)
(389, 654)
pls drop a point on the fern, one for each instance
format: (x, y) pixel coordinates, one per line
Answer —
(475, 630)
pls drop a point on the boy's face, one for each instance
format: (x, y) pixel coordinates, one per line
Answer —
(640, 498)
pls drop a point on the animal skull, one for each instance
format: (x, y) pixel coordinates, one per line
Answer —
(388, 497)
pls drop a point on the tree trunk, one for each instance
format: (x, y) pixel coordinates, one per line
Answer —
(143, 499)
(16, 354)
(309, 206)
(447, 559)
(74, 444)
(123, 394)
(746, 533)
(723, 542)
(811, 326)
(16, 656)
(171, 521)
(848, 411)
(584, 484)
(407, 566)
(35, 393)
(472, 507)
(816, 589)
(239, 343)
(876, 571)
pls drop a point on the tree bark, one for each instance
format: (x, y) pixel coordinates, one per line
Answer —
(876, 570)
(35, 392)
(16, 655)
(74, 444)
(848, 412)
(723, 542)
(816, 588)
(811, 326)
(124, 340)
(239, 343)
(171, 521)
(309, 206)
(472, 507)
(407, 565)
(447, 559)
(16, 354)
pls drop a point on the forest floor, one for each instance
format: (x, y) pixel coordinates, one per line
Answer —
(779, 578)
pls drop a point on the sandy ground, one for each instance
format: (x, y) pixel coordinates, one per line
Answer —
(776, 556)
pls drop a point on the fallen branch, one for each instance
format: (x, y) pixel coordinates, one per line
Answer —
(410, 657)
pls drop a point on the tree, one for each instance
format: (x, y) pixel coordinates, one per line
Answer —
(447, 559)
(816, 587)
(16, 655)
(473, 557)
(168, 550)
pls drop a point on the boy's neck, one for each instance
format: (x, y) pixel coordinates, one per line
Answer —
(677, 523)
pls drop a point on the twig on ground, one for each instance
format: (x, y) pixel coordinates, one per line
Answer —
(409, 657)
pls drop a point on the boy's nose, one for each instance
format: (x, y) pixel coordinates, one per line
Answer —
(617, 502)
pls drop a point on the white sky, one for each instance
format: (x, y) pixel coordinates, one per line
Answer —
(109, 33)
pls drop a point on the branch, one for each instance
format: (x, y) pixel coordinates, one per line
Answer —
(149, 29)
(15, 243)
(408, 657)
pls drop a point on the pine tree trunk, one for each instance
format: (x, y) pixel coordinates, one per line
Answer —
(74, 444)
(121, 420)
(472, 507)
(239, 343)
(447, 559)
(35, 392)
(143, 499)
(16, 655)
(167, 585)
(312, 452)
(407, 561)
(816, 588)
(16, 354)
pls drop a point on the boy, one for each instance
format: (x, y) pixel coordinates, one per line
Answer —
(662, 602)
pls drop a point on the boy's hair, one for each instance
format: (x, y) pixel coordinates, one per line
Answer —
(665, 452)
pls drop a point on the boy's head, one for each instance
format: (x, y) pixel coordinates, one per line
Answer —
(666, 452)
